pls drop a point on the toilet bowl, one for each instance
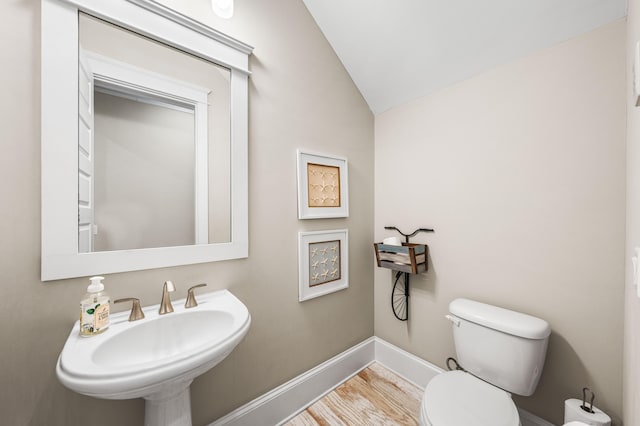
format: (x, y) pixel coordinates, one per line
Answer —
(456, 398)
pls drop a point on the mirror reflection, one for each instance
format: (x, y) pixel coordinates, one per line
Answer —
(154, 143)
(144, 180)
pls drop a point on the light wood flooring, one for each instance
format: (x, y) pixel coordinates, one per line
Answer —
(375, 396)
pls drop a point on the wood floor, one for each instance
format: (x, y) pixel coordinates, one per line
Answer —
(375, 396)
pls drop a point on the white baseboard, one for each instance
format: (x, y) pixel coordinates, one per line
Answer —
(286, 401)
(408, 366)
(528, 419)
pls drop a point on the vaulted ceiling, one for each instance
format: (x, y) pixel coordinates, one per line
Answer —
(399, 50)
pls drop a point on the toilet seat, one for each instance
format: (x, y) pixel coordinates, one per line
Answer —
(457, 398)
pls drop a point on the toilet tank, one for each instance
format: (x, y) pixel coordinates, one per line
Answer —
(503, 347)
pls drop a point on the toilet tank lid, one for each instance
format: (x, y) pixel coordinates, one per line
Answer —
(505, 320)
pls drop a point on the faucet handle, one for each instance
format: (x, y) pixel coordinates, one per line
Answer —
(165, 304)
(191, 298)
(136, 311)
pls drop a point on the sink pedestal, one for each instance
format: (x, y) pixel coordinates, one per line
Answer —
(170, 407)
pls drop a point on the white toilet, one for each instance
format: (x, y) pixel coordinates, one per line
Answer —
(501, 352)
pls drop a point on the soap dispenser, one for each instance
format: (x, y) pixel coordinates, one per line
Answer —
(94, 309)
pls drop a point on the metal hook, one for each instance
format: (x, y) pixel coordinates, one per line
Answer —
(584, 400)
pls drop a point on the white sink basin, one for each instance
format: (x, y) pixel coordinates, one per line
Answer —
(155, 358)
(162, 340)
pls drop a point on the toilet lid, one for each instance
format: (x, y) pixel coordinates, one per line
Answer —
(456, 398)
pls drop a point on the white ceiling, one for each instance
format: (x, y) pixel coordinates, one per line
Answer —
(399, 50)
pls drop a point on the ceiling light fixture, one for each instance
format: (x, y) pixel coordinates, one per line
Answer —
(222, 8)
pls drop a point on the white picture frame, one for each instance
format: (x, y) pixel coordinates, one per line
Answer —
(323, 263)
(323, 186)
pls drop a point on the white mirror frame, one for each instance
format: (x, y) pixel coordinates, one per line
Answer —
(59, 127)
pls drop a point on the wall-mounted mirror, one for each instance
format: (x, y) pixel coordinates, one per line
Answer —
(144, 139)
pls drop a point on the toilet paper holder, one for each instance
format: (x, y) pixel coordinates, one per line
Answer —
(584, 412)
(588, 409)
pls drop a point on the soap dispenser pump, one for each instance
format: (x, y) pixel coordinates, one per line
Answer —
(94, 309)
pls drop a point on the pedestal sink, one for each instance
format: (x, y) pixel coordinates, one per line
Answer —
(155, 358)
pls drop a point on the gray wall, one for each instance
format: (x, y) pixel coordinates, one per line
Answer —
(300, 96)
(521, 171)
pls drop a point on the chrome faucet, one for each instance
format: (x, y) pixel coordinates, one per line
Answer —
(165, 305)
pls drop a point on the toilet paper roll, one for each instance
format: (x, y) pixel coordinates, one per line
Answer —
(573, 412)
(392, 241)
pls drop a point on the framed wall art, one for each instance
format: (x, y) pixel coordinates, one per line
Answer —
(323, 262)
(323, 186)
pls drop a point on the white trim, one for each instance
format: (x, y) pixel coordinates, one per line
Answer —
(230, 53)
(408, 366)
(186, 21)
(150, 83)
(288, 400)
(149, 99)
(528, 419)
(284, 402)
(59, 130)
